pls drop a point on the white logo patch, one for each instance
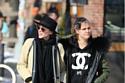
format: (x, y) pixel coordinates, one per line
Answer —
(80, 56)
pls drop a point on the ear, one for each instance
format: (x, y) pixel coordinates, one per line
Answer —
(76, 30)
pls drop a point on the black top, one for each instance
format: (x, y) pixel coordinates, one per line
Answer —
(79, 61)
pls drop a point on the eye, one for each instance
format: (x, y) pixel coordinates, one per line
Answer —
(85, 28)
(42, 29)
(88, 27)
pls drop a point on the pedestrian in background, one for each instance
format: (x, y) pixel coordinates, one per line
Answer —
(1, 25)
(5, 28)
(85, 57)
(53, 13)
(31, 30)
(41, 58)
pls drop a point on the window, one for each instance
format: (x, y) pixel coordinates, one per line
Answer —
(52, 0)
(78, 2)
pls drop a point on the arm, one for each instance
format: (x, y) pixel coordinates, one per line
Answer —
(22, 65)
(105, 72)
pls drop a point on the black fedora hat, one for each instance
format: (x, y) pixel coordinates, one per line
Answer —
(47, 22)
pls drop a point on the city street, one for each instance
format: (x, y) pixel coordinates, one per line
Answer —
(22, 19)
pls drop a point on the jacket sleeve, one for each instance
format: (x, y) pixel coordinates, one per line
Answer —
(62, 66)
(22, 65)
(105, 71)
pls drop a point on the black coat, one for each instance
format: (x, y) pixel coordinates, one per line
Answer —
(98, 68)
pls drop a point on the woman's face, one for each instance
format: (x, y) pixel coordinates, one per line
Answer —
(84, 32)
(53, 16)
(43, 32)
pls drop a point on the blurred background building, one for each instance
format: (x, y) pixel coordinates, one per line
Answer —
(106, 17)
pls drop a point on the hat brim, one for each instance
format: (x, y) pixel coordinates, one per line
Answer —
(36, 22)
(39, 23)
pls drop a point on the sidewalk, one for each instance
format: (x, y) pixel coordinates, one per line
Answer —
(10, 60)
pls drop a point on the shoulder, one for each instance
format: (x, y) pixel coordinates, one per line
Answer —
(64, 42)
(28, 41)
(101, 43)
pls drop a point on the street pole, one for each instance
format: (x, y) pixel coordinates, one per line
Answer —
(2, 57)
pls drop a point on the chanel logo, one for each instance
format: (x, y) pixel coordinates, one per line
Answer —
(80, 61)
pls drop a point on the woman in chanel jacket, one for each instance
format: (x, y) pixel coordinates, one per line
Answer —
(85, 57)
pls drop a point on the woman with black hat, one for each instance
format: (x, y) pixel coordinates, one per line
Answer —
(31, 31)
(41, 59)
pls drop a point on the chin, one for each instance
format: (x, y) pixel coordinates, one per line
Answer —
(86, 38)
(40, 37)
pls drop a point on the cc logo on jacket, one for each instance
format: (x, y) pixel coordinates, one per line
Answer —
(80, 61)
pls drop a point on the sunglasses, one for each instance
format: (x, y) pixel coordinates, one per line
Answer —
(41, 28)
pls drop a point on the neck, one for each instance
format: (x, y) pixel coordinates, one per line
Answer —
(46, 38)
(82, 43)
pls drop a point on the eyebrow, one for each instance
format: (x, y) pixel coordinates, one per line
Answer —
(86, 28)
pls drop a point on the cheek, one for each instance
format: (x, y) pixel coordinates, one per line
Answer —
(85, 34)
(76, 31)
(39, 32)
